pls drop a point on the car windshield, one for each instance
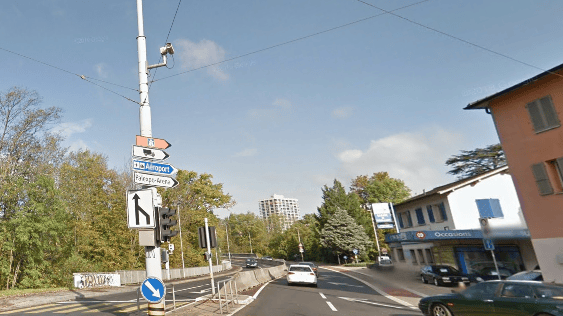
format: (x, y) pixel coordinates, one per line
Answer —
(528, 275)
(299, 269)
(444, 270)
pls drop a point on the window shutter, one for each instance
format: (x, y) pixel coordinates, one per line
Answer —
(409, 218)
(400, 218)
(560, 167)
(430, 213)
(535, 116)
(443, 211)
(419, 216)
(544, 186)
(549, 112)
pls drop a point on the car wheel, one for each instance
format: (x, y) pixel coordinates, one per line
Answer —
(436, 282)
(440, 310)
(424, 280)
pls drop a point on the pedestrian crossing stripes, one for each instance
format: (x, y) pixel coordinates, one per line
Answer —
(84, 308)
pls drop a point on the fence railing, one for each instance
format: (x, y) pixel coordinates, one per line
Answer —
(138, 276)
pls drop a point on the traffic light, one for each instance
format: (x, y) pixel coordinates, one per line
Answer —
(165, 223)
(203, 240)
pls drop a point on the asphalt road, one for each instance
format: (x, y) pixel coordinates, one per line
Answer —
(336, 294)
(122, 303)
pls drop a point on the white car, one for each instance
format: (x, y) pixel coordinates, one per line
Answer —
(301, 274)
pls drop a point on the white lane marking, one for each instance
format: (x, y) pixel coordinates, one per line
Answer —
(406, 288)
(331, 306)
(337, 283)
(260, 290)
(193, 287)
(369, 302)
(202, 291)
(378, 290)
(322, 295)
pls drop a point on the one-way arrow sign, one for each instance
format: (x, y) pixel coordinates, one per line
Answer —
(140, 209)
(149, 153)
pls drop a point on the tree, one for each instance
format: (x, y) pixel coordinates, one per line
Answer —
(341, 234)
(380, 188)
(477, 161)
(335, 198)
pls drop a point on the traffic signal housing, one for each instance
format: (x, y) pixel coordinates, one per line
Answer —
(203, 240)
(165, 223)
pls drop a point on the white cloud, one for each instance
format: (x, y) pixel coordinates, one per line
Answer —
(278, 109)
(101, 70)
(416, 158)
(67, 129)
(78, 145)
(194, 55)
(342, 113)
(246, 153)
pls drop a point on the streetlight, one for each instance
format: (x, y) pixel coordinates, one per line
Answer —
(228, 246)
(181, 243)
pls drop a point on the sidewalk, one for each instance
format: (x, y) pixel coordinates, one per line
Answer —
(23, 301)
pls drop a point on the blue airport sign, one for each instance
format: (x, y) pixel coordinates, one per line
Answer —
(153, 289)
(153, 167)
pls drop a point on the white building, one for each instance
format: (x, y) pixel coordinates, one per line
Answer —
(442, 226)
(286, 209)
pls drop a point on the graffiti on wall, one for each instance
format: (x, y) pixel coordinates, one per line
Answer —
(89, 280)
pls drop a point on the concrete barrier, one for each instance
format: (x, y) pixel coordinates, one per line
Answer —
(246, 280)
(262, 275)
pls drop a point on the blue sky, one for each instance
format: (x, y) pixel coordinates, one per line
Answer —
(380, 95)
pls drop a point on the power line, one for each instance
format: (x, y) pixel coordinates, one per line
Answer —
(74, 74)
(166, 41)
(291, 41)
(460, 39)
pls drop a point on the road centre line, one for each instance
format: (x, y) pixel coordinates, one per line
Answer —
(331, 306)
(370, 302)
(406, 288)
(322, 295)
(378, 290)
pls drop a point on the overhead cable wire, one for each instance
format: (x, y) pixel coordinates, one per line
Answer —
(291, 41)
(83, 77)
(460, 39)
(166, 41)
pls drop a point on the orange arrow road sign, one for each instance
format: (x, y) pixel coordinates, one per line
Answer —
(152, 142)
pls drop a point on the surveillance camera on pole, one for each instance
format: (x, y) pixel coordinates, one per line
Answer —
(167, 49)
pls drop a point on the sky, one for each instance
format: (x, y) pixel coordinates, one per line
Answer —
(383, 94)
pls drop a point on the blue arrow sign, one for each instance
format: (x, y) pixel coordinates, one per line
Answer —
(153, 167)
(489, 244)
(355, 251)
(153, 289)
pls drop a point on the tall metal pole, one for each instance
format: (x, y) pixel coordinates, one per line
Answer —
(250, 242)
(394, 218)
(299, 237)
(209, 257)
(152, 254)
(181, 243)
(375, 232)
(228, 247)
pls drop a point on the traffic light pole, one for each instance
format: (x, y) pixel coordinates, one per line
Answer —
(209, 258)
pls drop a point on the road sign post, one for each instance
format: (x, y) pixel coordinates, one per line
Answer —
(209, 257)
(153, 289)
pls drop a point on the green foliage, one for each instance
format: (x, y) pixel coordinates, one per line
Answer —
(380, 188)
(474, 162)
(341, 234)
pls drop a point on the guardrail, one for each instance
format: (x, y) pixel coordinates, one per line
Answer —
(138, 276)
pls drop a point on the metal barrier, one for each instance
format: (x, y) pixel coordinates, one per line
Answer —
(228, 289)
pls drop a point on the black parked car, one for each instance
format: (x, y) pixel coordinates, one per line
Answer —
(443, 275)
(511, 298)
(490, 273)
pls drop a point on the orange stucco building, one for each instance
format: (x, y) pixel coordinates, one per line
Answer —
(527, 117)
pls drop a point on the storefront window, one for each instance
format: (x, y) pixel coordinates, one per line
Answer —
(475, 259)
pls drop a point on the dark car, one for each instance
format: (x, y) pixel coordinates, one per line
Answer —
(383, 262)
(251, 263)
(534, 275)
(511, 298)
(490, 273)
(312, 265)
(443, 275)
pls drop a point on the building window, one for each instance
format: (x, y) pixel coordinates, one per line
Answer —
(408, 218)
(542, 114)
(400, 218)
(421, 256)
(443, 213)
(400, 254)
(555, 172)
(429, 256)
(542, 180)
(413, 257)
(430, 213)
(420, 216)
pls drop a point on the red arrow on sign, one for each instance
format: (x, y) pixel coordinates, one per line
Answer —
(152, 142)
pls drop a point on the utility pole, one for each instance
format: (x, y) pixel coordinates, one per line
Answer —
(300, 248)
(152, 253)
(228, 246)
(250, 242)
(181, 243)
(210, 259)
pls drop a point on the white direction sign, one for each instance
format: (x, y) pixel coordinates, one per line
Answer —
(149, 153)
(140, 209)
(154, 180)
